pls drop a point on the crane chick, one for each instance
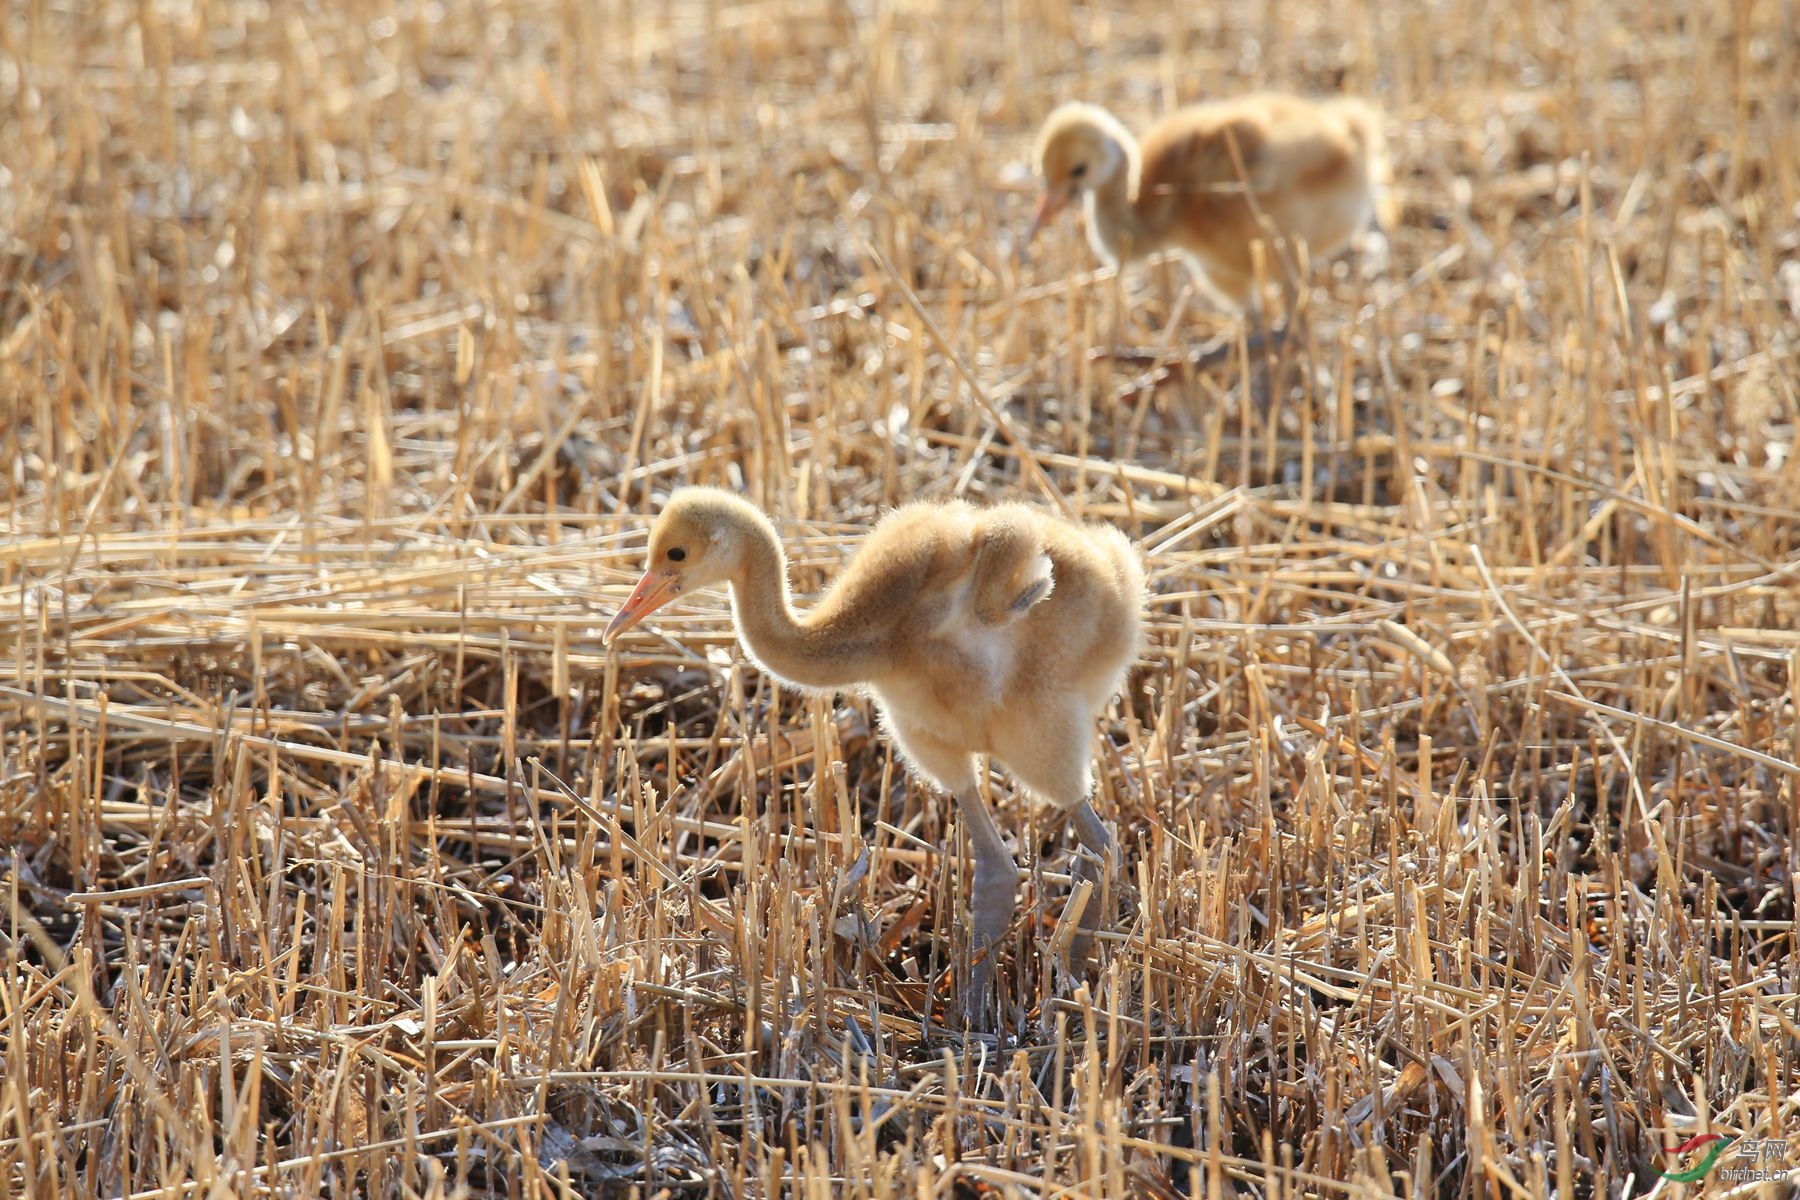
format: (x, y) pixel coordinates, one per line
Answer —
(1315, 170)
(997, 632)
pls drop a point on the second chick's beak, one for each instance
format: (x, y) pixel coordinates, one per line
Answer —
(1050, 203)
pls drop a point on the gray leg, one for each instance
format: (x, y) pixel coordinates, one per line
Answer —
(1258, 345)
(1259, 329)
(1263, 337)
(1097, 840)
(992, 894)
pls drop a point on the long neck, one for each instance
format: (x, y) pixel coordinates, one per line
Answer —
(1114, 210)
(791, 647)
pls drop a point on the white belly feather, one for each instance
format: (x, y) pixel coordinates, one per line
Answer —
(977, 656)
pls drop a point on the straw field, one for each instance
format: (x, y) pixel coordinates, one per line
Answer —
(346, 349)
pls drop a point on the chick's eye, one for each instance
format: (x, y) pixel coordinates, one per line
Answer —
(677, 554)
(1079, 170)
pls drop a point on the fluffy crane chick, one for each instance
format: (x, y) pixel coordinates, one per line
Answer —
(978, 631)
(1315, 170)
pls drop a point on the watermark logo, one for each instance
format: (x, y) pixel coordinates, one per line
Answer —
(1746, 1155)
(1715, 1144)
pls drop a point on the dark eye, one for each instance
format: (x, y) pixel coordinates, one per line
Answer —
(1079, 171)
(677, 554)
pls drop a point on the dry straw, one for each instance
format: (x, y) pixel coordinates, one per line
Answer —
(345, 348)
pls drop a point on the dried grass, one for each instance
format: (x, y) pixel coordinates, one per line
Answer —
(346, 348)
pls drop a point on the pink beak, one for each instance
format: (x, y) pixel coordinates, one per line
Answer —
(652, 592)
(1049, 204)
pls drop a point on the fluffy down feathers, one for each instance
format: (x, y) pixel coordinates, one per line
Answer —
(1000, 631)
(1316, 170)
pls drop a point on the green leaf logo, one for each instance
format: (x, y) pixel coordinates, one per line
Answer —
(1719, 1142)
